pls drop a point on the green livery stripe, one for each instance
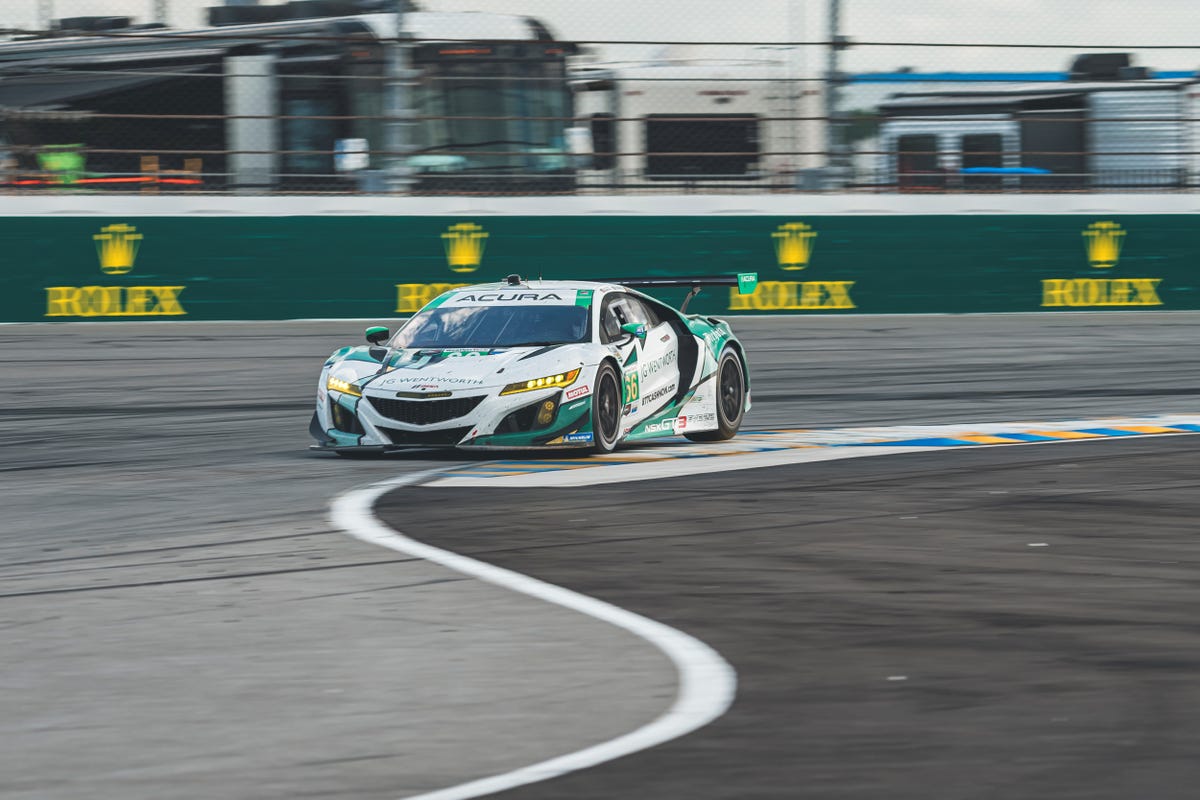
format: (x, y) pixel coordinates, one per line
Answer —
(345, 439)
(360, 354)
(583, 297)
(632, 357)
(441, 298)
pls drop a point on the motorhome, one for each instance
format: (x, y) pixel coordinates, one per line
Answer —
(1109, 126)
(696, 124)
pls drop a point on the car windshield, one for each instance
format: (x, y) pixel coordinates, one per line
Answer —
(494, 326)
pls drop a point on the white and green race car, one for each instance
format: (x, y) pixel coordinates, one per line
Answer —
(538, 364)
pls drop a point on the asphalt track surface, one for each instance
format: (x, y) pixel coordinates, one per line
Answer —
(178, 619)
(983, 624)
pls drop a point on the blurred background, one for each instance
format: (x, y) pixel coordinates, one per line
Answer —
(549, 96)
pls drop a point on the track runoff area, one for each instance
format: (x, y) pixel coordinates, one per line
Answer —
(994, 610)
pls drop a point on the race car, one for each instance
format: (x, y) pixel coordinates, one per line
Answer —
(538, 364)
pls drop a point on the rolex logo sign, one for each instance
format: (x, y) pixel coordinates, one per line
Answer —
(793, 245)
(464, 244)
(117, 246)
(1103, 241)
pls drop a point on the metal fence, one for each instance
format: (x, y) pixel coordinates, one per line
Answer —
(349, 96)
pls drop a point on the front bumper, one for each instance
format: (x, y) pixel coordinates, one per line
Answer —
(383, 422)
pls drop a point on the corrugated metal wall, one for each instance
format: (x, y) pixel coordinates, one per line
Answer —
(1137, 137)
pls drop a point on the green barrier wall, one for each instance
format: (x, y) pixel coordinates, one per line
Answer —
(93, 267)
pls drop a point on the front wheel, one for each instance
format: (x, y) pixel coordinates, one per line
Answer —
(731, 400)
(606, 409)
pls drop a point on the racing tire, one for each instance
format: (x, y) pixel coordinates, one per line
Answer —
(731, 399)
(606, 409)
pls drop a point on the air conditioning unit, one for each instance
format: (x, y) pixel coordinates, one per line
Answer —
(1100, 66)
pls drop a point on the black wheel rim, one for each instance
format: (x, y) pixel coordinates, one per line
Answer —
(731, 390)
(608, 409)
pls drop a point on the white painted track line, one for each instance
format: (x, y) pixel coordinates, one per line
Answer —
(707, 683)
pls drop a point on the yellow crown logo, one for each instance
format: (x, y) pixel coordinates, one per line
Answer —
(793, 245)
(117, 246)
(1103, 241)
(464, 244)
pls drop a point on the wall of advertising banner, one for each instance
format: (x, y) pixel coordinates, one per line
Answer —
(125, 266)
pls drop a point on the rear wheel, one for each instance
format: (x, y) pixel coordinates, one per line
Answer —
(606, 409)
(731, 400)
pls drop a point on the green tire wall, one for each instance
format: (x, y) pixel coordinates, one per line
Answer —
(126, 258)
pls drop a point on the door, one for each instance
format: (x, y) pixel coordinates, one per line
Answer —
(650, 367)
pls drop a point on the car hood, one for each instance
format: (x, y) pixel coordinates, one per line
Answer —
(432, 370)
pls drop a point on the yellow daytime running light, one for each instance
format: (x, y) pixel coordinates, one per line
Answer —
(549, 382)
(345, 387)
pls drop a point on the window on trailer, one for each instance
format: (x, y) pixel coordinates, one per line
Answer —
(982, 150)
(604, 141)
(917, 162)
(702, 147)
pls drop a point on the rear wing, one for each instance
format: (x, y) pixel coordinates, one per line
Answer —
(746, 283)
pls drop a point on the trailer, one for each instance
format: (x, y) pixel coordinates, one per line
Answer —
(1129, 131)
(696, 124)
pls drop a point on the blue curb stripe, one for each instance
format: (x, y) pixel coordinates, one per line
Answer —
(914, 443)
(1111, 432)
(760, 442)
(1028, 437)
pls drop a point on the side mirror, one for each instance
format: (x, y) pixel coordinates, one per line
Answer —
(377, 334)
(635, 329)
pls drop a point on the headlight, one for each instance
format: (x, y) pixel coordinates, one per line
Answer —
(343, 386)
(555, 381)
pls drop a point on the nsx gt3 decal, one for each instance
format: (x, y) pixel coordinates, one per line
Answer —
(669, 425)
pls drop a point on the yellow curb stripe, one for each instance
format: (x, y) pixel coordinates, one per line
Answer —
(1148, 429)
(1067, 434)
(979, 438)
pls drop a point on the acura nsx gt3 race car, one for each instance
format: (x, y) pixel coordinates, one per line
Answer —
(538, 364)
